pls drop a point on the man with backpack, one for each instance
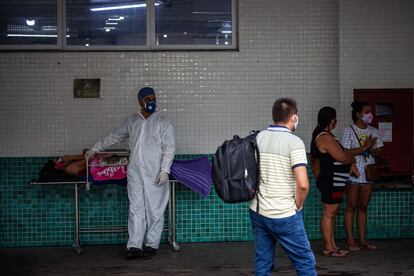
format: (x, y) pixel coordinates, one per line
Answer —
(276, 212)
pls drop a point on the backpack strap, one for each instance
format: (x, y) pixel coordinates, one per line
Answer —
(259, 177)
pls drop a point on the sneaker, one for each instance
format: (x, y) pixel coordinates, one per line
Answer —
(134, 253)
(149, 251)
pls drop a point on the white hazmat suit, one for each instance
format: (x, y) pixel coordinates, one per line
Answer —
(152, 145)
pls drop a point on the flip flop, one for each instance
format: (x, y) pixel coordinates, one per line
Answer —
(342, 251)
(368, 246)
(332, 253)
(352, 247)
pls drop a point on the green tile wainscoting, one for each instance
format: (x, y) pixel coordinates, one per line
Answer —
(34, 215)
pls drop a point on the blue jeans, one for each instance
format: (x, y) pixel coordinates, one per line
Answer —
(290, 233)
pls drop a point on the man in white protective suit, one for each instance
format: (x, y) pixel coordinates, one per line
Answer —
(152, 144)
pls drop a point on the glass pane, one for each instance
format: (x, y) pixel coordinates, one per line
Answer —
(28, 22)
(384, 109)
(106, 23)
(193, 22)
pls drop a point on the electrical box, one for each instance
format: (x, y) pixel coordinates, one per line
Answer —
(393, 116)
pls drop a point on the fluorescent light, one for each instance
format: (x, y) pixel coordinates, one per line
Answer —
(31, 35)
(111, 23)
(143, 5)
(30, 22)
(16, 28)
(226, 32)
(165, 35)
(119, 7)
(116, 19)
(49, 28)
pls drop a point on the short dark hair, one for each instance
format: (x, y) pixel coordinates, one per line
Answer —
(283, 109)
(357, 107)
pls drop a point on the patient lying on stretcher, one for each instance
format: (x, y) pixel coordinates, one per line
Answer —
(102, 167)
(76, 164)
(71, 164)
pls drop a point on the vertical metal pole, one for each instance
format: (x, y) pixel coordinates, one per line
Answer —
(61, 30)
(76, 244)
(150, 24)
(88, 186)
(173, 212)
(170, 238)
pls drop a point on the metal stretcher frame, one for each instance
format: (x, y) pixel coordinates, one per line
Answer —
(171, 226)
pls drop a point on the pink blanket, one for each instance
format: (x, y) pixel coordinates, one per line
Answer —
(106, 172)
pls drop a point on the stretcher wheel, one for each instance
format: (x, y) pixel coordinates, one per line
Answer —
(78, 249)
(176, 247)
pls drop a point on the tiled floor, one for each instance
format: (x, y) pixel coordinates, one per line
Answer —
(393, 257)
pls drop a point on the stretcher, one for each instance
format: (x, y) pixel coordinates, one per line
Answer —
(86, 182)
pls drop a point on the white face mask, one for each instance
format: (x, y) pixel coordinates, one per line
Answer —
(367, 118)
(296, 122)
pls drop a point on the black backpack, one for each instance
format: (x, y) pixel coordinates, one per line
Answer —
(236, 170)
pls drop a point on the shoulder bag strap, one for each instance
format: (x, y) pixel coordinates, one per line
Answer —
(356, 136)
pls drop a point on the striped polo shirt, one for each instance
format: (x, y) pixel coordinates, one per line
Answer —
(280, 152)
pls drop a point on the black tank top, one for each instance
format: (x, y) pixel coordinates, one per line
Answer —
(332, 173)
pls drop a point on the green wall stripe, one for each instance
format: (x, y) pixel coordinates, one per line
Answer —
(33, 215)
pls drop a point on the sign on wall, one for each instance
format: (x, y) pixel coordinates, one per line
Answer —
(385, 130)
(86, 88)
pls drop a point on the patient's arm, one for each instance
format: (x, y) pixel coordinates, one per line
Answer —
(75, 167)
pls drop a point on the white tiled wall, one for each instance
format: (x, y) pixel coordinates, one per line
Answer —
(376, 47)
(287, 48)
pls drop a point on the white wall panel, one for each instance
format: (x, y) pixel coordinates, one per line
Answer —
(376, 47)
(287, 48)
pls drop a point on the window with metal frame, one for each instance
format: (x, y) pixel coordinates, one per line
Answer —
(194, 23)
(118, 24)
(29, 23)
(106, 23)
